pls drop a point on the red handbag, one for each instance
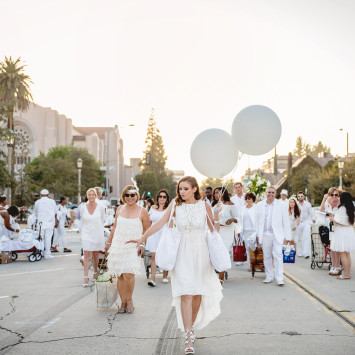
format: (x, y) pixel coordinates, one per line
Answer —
(239, 251)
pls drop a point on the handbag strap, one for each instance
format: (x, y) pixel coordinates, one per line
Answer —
(171, 212)
(209, 219)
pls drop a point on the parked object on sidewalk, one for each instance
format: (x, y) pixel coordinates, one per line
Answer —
(5, 257)
(256, 260)
(320, 247)
(106, 291)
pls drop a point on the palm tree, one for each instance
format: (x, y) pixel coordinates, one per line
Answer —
(14, 88)
(14, 94)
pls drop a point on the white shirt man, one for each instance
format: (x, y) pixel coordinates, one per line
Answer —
(60, 231)
(239, 201)
(273, 225)
(283, 197)
(46, 211)
(304, 228)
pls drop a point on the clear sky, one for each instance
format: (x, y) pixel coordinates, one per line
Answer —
(197, 62)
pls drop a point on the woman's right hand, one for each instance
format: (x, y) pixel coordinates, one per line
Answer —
(325, 197)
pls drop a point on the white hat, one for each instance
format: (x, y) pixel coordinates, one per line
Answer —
(44, 192)
(284, 192)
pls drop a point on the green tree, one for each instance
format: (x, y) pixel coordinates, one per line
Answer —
(303, 148)
(57, 171)
(154, 175)
(5, 177)
(319, 148)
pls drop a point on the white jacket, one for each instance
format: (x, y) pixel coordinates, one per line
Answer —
(280, 221)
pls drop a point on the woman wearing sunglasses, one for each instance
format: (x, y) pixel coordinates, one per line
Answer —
(330, 204)
(156, 212)
(131, 221)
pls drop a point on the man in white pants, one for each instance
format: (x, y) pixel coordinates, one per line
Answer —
(46, 214)
(273, 225)
(60, 231)
(304, 228)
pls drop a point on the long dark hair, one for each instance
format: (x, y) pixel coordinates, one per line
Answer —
(193, 182)
(224, 195)
(346, 200)
(296, 209)
(167, 201)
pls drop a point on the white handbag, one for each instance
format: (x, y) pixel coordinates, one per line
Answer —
(219, 254)
(168, 246)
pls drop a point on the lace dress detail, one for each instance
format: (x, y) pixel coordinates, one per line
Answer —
(123, 257)
(293, 224)
(193, 273)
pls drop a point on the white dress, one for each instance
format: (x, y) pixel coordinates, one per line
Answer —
(122, 257)
(92, 228)
(227, 231)
(153, 240)
(344, 235)
(193, 273)
(293, 224)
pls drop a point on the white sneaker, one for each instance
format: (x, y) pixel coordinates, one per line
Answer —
(151, 283)
(49, 257)
(300, 255)
(280, 283)
(239, 263)
(267, 280)
(165, 281)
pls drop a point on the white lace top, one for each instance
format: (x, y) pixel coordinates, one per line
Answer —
(191, 217)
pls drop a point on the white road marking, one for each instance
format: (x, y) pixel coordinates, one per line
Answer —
(45, 324)
(61, 256)
(32, 272)
(4, 296)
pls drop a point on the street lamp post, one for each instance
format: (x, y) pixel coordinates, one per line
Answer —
(79, 164)
(340, 166)
(347, 143)
(10, 147)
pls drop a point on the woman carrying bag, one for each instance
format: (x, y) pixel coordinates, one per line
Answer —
(195, 286)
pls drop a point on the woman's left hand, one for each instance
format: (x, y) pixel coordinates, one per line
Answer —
(331, 217)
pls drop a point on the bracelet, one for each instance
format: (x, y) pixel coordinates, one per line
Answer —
(142, 245)
(109, 243)
(216, 221)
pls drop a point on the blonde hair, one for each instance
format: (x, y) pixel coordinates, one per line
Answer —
(124, 191)
(91, 189)
(193, 182)
(332, 190)
(98, 190)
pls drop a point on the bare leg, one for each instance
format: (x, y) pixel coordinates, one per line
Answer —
(335, 259)
(129, 281)
(186, 311)
(95, 263)
(165, 274)
(121, 291)
(196, 302)
(86, 265)
(346, 261)
(153, 266)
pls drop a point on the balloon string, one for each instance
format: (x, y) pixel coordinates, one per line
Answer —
(225, 183)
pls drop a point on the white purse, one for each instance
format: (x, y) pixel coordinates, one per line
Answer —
(168, 246)
(219, 254)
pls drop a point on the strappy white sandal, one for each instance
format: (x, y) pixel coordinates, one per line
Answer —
(189, 341)
(86, 284)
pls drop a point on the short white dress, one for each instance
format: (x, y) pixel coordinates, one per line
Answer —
(92, 228)
(193, 273)
(293, 224)
(153, 240)
(122, 257)
(227, 231)
(344, 234)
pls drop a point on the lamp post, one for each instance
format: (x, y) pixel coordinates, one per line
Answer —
(340, 166)
(10, 146)
(79, 164)
(347, 143)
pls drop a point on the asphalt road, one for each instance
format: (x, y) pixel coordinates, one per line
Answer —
(44, 310)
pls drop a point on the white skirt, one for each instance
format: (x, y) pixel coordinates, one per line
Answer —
(343, 239)
(194, 274)
(227, 235)
(153, 241)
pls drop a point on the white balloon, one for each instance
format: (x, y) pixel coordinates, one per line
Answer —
(213, 153)
(256, 130)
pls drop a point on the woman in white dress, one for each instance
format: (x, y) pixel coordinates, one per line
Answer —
(196, 289)
(155, 213)
(130, 222)
(294, 215)
(92, 233)
(227, 217)
(343, 241)
(330, 204)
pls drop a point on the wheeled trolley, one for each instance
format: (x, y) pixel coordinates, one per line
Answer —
(320, 244)
(256, 260)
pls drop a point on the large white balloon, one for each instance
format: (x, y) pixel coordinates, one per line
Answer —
(213, 153)
(256, 130)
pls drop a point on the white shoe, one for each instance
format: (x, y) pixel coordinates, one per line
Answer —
(300, 255)
(151, 283)
(239, 263)
(280, 283)
(49, 257)
(267, 280)
(165, 281)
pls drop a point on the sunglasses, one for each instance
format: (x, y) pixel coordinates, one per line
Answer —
(248, 198)
(129, 195)
(162, 196)
(334, 195)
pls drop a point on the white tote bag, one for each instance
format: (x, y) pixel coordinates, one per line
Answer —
(168, 246)
(219, 254)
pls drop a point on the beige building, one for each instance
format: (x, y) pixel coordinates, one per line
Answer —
(40, 128)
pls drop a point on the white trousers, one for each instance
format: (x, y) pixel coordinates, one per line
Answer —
(60, 232)
(303, 242)
(272, 249)
(47, 237)
(248, 243)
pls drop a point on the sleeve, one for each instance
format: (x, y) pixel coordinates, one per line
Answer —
(234, 212)
(341, 217)
(286, 223)
(102, 214)
(78, 216)
(36, 209)
(311, 213)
